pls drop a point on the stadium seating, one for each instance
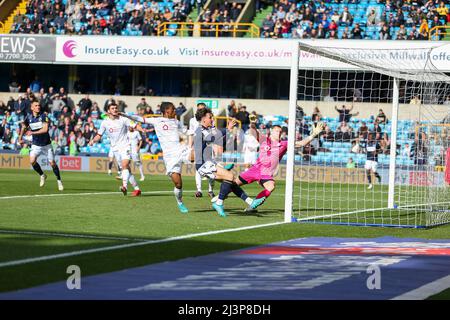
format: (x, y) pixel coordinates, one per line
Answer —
(80, 27)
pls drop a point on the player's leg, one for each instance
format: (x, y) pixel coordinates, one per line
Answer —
(269, 187)
(198, 184)
(34, 154)
(55, 168)
(369, 178)
(368, 168)
(119, 167)
(226, 187)
(211, 188)
(127, 175)
(178, 191)
(374, 170)
(137, 160)
(110, 161)
(173, 170)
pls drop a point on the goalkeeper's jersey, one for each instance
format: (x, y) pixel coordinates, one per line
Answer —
(270, 154)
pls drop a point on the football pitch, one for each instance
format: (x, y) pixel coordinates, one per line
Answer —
(91, 224)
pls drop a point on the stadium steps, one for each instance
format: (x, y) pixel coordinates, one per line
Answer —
(5, 26)
(259, 18)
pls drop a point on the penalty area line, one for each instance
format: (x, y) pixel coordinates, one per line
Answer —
(130, 245)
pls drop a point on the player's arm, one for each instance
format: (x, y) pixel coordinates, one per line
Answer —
(136, 118)
(99, 134)
(139, 128)
(42, 130)
(316, 131)
(140, 142)
(23, 129)
(96, 139)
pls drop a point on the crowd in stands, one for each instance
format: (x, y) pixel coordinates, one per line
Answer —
(223, 12)
(100, 17)
(72, 125)
(355, 19)
(327, 19)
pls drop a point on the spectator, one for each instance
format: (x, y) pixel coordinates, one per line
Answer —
(3, 108)
(344, 113)
(25, 150)
(85, 104)
(355, 146)
(36, 85)
(343, 132)
(381, 117)
(356, 32)
(316, 115)
(406, 150)
(363, 129)
(148, 110)
(372, 18)
(346, 17)
(142, 105)
(244, 117)
(232, 109)
(350, 164)
(299, 113)
(14, 85)
(180, 110)
(328, 135)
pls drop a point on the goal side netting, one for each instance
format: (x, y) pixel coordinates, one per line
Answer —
(383, 158)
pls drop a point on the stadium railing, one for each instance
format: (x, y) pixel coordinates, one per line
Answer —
(438, 32)
(225, 120)
(205, 29)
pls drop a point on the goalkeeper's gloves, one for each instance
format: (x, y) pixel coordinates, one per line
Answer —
(317, 130)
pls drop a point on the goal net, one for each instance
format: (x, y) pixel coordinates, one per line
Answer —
(383, 158)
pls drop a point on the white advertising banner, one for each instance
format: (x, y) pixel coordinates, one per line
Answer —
(241, 53)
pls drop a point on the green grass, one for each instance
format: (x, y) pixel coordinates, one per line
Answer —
(153, 216)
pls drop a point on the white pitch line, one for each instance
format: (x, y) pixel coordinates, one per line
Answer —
(80, 194)
(427, 290)
(68, 235)
(130, 245)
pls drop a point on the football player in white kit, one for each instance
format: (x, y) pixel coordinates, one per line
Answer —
(116, 127)
(251, 145)
(168, 130)
(193, 125)
(136, 143)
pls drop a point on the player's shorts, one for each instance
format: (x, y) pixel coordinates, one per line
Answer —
(111, 153)
(250, 157)
(253, 174)
(173, 162)
(122, 154)
(371, 165)
(208, 170)
(47, 151)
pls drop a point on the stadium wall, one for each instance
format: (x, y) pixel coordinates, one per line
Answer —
(319, 174)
